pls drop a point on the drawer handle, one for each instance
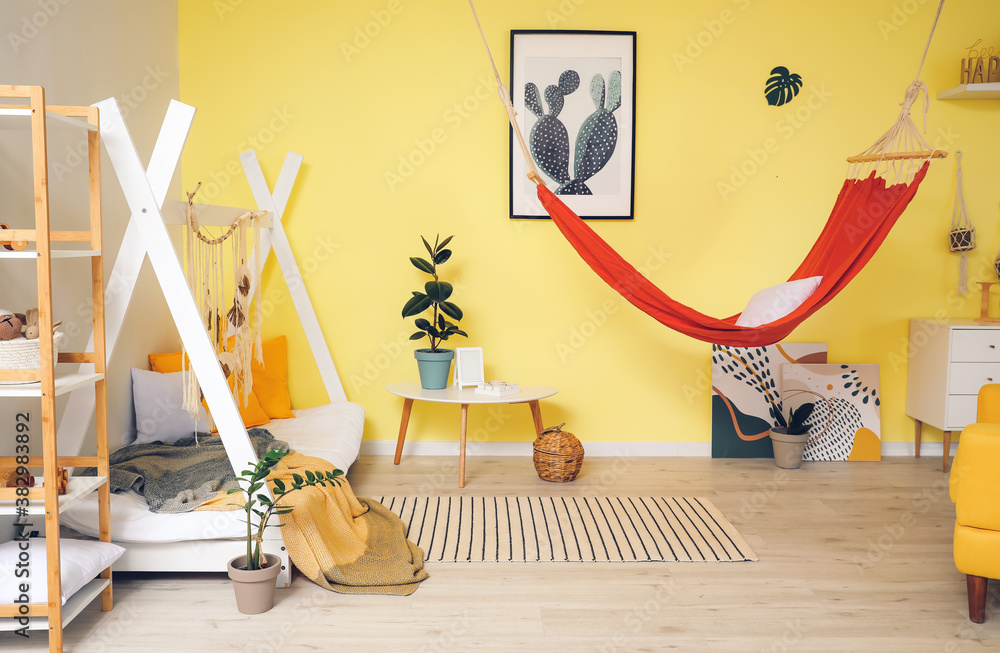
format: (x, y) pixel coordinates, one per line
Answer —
(993, 346)
(990, 379)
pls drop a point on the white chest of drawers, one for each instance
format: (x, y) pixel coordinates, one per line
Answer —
(949, 360)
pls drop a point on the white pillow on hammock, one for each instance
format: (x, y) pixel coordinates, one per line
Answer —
(774, 303)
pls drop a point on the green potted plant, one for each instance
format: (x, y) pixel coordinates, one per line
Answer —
(789, 440)
(253, 574)
(434, 363)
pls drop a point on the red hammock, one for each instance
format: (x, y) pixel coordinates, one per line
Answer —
(861, 219)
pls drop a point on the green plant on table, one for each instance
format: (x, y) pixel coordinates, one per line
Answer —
(435, 296)
(260, 504)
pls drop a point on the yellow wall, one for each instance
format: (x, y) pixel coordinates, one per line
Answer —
(284, 75)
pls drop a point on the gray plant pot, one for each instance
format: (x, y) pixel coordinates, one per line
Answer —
(434, 367)
(788, 449)
(254, 589)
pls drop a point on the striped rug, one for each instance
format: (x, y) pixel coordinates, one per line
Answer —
(569, 529)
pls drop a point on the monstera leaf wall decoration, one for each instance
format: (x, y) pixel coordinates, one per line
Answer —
(782, 86)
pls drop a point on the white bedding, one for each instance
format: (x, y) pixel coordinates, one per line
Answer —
(331, 432)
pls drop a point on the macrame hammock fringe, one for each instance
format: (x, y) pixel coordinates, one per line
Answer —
(233, 331)
(865, 211)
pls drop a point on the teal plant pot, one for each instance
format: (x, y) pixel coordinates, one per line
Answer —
(434, 367)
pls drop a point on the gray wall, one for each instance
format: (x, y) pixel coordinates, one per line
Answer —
(84, 51)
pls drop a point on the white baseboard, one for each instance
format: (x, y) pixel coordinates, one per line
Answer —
(598, 449)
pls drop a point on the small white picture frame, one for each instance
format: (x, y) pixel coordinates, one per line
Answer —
(469, 366)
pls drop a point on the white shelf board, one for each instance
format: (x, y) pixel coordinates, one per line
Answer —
(10, 118)
(990, 91)
(77, 487)
(71, 609)
(65, 382)
(56, 253)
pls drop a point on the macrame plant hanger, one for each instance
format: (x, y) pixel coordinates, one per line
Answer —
(205, 259)
(962, 237)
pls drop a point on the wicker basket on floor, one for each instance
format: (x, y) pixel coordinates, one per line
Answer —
(558, 455)
(23, 354)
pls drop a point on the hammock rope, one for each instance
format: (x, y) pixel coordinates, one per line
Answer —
(881, 182)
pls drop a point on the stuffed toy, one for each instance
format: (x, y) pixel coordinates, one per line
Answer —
(31, 324)
(10, 326)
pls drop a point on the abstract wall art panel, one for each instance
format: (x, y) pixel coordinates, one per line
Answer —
(747, 394)
(846, 423)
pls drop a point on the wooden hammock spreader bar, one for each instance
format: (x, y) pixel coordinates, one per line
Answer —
(904, 141)
(921, 154)
(509, 108)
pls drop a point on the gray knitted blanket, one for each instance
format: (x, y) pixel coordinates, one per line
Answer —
(181, 476)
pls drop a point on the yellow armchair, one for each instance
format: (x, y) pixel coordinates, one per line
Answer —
(974, 485)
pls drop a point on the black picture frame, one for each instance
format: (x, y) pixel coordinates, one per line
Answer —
(593, 175)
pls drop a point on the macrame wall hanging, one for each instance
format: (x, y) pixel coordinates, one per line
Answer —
(962, 237)
(232, 330)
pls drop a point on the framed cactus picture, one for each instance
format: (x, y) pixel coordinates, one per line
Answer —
(574, 94)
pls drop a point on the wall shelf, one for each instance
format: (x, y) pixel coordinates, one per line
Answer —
(990, 91)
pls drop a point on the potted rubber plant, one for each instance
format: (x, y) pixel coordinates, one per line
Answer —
(789, 440)
(253, 573)
(434, 363)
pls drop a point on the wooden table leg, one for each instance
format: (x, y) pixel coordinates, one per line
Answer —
(461, 446)
(536, 416)
(407, 405)
(947, 451)
(917, 427)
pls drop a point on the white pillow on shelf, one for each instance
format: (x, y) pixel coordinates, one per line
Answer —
(774, 303)
(80, 561)
(159, 410)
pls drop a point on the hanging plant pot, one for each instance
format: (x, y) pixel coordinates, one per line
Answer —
(434, 367)
(254, 589)
(962, 240)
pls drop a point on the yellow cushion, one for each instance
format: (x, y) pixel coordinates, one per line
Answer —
(252, 413)
(270, 381)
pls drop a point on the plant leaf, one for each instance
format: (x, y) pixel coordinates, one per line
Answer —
(441, 322)
(418, 335)
(417, 304)
(297, 479)
(438, 291)
(279, 485)
(459, 332)
(451, 310)
(442, 256)
(430, 250)
(422, 264)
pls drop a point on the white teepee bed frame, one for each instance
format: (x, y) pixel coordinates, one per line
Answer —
(145, 190)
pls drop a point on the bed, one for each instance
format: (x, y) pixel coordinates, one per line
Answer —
(206, 541)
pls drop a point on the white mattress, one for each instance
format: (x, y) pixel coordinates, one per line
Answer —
(331, 432)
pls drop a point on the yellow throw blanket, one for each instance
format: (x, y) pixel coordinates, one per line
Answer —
(345, 544)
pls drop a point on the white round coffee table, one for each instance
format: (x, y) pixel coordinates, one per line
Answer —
(410, 392)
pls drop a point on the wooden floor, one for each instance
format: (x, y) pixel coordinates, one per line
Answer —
(853, 557)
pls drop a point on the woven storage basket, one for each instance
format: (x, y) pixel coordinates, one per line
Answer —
(22, 354)
(558, 455)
